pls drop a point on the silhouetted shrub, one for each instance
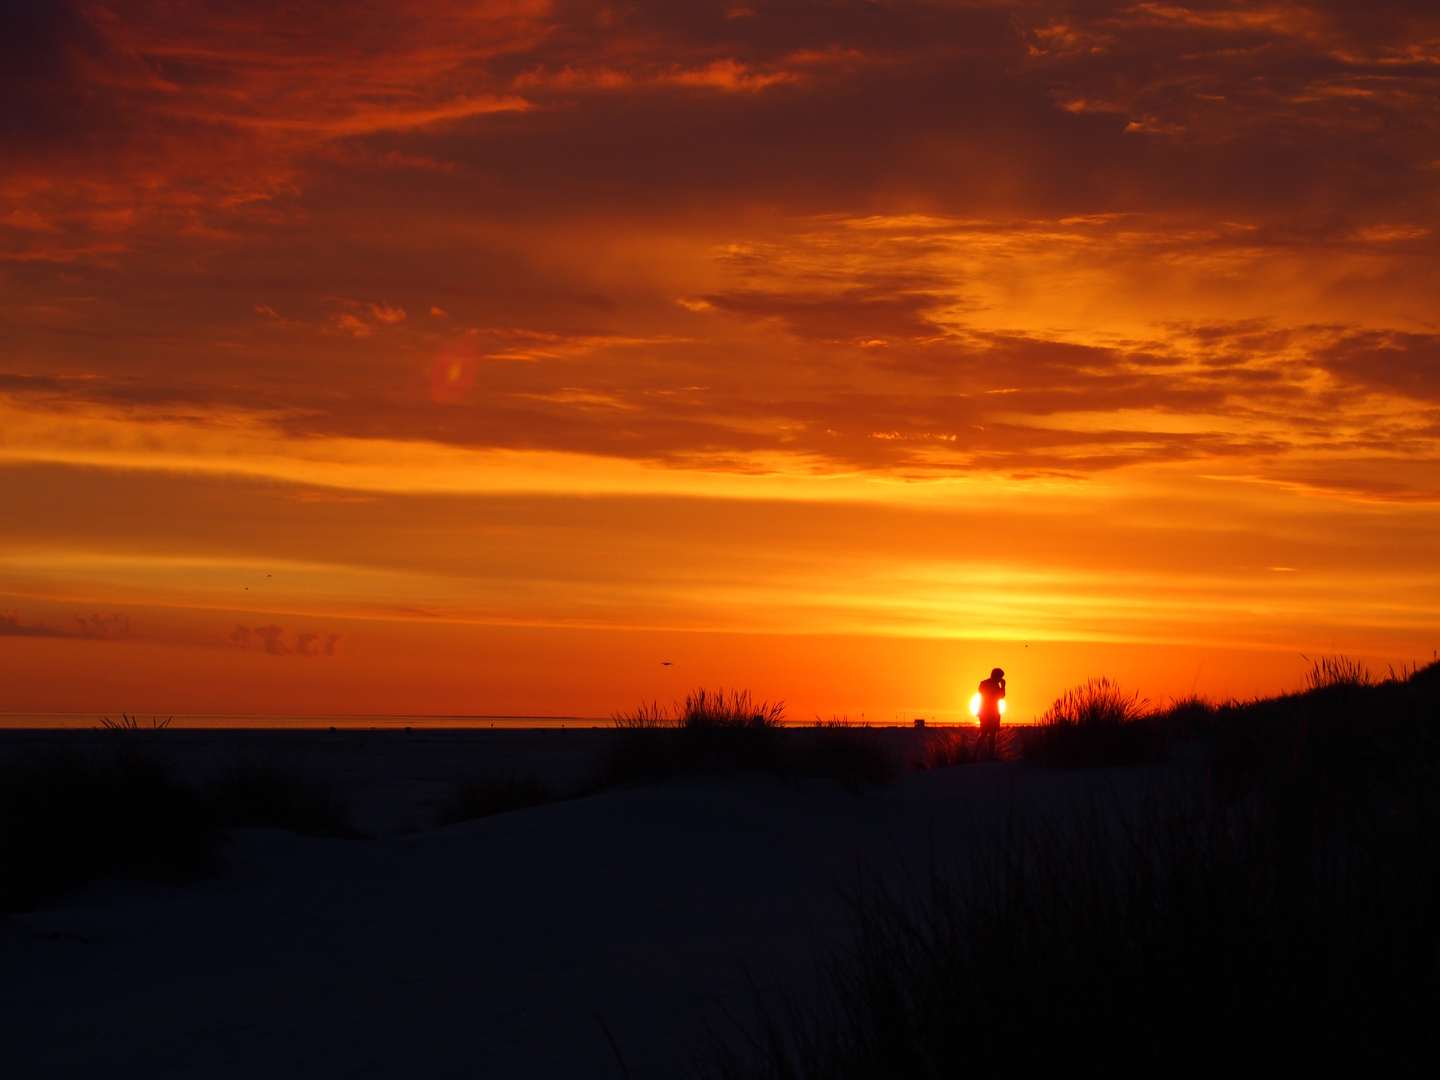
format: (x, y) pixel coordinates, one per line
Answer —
(1092, 725)
(490, 793)
(261, 793)
(67, 818)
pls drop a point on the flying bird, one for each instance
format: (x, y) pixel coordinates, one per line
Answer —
(664, 663)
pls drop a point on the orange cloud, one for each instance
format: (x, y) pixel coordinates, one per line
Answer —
(386, 313)
(688, 267)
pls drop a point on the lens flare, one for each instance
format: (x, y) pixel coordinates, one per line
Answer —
(975, 705)
(453, 374)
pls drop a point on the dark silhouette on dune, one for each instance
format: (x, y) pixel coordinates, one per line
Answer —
(498, 792)
(74, 814)
(1271, 914)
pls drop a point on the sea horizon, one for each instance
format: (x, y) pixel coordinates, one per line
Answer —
(81, 721)
(87, 721)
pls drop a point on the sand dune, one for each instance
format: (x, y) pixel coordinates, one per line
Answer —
(483, 949)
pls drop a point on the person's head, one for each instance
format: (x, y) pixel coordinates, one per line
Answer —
(996, 673)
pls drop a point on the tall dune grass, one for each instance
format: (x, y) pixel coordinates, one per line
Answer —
(1279, 921)
(943, 748)
(1096, 723)
(1330, 671)
(491, 792)
(718, 731)
(70, 816)
(252, 793)
(852, 754)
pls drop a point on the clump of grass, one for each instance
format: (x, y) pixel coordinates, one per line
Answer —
(710, 731)
(1094, 724)
(1185, 719)
(719, 731)
(1095, 703)
(260, 793)
(733, 710)
(67, 818)
(489, 793)
(1341, 671)
(130, 723)
(943, 748)
(704, 708)
(852, 754)
(70, 817)
(946, 747)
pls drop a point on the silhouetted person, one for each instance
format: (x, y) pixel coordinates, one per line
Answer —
(992, 692)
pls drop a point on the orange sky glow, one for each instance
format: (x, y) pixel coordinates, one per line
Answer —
(475, 358)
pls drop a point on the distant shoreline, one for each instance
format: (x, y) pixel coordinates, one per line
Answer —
(38, 721)
(87, 721)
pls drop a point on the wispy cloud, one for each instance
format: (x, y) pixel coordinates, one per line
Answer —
(11, 625)
(273, 641)
(112, 627)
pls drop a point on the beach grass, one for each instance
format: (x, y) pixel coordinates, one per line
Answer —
(491, 792)
(72, 816)
(726, 731)
(1278, 920)
(67, 818)
(946, 747)
(261, 793)
(852, 754)
(1094, 724)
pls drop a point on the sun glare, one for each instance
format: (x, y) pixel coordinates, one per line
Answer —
(975, 706)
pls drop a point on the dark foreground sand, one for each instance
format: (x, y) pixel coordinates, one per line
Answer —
(483, 949)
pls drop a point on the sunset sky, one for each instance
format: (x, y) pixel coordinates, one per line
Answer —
(477, 357)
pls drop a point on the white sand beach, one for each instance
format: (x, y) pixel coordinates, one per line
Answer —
(483, 949)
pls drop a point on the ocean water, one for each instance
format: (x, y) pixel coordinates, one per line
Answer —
(203, 721)
(83, 721)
